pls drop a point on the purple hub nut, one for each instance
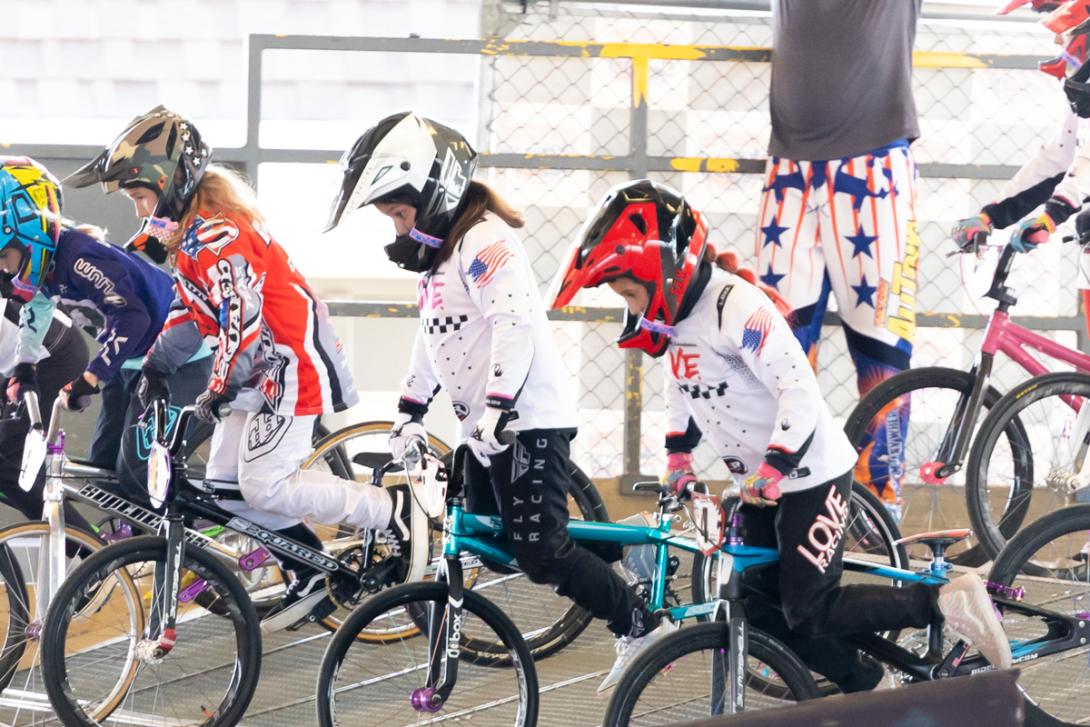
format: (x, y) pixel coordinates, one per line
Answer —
(425, 699)
(1013, 593)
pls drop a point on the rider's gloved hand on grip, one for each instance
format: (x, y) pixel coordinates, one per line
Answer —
(208, 406)
(407, 428)
(763, 487)
(484, 439)
(152, 387)
(967, 229)
(23, 379)
(1032, 232)
(76, 394)
(679, 472)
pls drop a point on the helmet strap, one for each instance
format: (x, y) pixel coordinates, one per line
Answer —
(425, 239)
(655, 327)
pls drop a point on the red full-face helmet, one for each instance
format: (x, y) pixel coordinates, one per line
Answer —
(1064, 18)
(649, 233)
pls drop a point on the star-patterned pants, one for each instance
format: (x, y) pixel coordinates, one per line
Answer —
(848, 226)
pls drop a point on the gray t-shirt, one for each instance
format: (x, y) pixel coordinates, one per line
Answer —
(841, 76)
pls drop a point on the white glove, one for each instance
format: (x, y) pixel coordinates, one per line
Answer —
(484, 441)
(404, 432)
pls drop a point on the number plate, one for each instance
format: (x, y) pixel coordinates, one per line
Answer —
(158, 474)
(33, 458)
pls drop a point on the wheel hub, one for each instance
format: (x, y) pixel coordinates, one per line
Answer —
(425, 699)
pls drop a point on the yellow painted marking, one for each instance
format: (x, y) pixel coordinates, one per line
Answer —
(639, 81)
(936, 59)
(704, 164)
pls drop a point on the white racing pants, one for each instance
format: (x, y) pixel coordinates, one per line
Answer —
(263, 453)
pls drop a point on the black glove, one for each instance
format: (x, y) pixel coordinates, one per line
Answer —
(22, 380)
(77, 394)
(152, 387)
(208, 405)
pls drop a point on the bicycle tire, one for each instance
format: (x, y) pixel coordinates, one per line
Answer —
(18, 632)
(673, 649)
(145, 549)
(992, 536)
(404, 597)
(931, 377)
(1015, 564)
(588, 502)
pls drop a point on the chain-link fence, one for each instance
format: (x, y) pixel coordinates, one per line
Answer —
(574, 97)
(984, 110)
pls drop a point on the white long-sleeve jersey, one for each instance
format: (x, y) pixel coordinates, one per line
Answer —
(735, 370)
(485, 338)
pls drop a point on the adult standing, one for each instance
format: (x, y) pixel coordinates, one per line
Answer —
(838, 209)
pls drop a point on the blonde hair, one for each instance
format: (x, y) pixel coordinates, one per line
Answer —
(222, 190)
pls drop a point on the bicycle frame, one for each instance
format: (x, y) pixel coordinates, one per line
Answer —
(1002, 336)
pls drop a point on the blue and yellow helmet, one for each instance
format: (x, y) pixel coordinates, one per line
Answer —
(30, 219)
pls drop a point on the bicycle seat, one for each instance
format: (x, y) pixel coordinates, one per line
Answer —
(939, 538)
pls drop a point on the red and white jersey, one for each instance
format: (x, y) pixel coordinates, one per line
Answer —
(484, 335)
(737, 370)
(275, 337)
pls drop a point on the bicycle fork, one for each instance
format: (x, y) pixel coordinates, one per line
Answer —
(728, 674)
(955, 441)
(444, 640)
(160, 634)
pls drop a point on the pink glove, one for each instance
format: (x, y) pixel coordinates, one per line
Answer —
(763, 488)
(679, 471)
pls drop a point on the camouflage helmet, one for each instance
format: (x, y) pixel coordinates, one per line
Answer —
(30, 219)
(158, 150)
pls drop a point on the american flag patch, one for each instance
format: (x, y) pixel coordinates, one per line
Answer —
(755, 331)
(488, 262)
(216, 233)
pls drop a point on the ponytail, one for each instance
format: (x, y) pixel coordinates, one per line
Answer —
(729, 261)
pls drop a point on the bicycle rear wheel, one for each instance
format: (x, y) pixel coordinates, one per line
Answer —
(932, 395)
(681, 678)
(24, 553)
(374, 682)
(206, 678)
(548, 622)
(1003, 498)
(1049, 559)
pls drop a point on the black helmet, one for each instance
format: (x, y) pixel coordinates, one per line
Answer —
(416, 161)
(158, 150)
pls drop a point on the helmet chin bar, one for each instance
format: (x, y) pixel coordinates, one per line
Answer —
(409, 254)
(152, 237)
(651, 337)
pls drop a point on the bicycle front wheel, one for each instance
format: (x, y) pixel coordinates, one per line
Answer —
(206, 677)
(898, 429)
(1012, 483)
(1049, 560)
(375, 682)
(682, 678)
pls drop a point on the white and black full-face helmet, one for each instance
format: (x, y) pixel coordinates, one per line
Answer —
(415, 161)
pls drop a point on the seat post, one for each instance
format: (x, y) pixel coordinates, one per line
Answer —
(939, 565)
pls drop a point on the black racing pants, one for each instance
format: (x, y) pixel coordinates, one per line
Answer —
(67, 360)
(807, 527)
(529, 481)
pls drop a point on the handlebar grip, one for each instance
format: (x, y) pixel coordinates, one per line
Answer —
(650, 486)
(506, 437)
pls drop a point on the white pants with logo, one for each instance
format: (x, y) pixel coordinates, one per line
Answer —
(263, 453)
